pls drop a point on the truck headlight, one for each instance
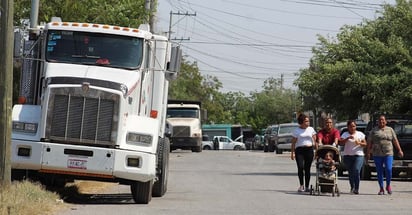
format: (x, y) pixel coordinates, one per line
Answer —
(142, 139)
(24, 127)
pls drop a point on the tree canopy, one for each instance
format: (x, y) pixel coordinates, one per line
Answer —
(366, 68)
(130, 13)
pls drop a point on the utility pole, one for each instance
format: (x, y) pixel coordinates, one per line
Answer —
(149, 5)
(6, 85)
(281, 82)
(170, 23)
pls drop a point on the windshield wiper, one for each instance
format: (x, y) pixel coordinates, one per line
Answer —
(86, 56)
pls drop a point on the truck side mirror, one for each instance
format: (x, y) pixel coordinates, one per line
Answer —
(173, 67)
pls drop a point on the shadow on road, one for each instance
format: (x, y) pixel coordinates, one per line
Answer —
(267, 173)
(99, 199)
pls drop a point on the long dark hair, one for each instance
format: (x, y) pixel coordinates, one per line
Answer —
(350, 122)
(301, 118)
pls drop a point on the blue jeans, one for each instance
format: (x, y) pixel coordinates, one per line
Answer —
(383, 163)
(354, 165)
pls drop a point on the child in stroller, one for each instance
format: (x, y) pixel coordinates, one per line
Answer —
(327, 159)
(327, 165)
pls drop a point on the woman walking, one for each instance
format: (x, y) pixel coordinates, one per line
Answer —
(303, 141)
(354, 142)
(380, 143)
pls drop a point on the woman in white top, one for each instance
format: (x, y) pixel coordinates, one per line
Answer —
(303, 141)
(354, 142)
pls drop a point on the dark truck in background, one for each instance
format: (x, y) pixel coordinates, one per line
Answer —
(402, 167)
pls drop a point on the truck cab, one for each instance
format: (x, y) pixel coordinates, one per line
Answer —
(184, 123)
(93, 106)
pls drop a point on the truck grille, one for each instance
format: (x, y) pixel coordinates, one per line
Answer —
(181, 131)
(82, 119)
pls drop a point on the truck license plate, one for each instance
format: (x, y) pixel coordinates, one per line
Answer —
(77, 164)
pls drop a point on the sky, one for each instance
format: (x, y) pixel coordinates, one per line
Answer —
(245, 42)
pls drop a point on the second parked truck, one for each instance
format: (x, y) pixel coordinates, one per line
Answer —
(184, 124)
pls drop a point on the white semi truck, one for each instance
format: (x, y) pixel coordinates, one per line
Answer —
(184, 120)
(93, 106)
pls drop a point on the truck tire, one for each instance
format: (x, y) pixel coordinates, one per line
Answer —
(366, 173)
(162, 169)
(197, 149)
(271, 147)
(279, 151)
(142, 191)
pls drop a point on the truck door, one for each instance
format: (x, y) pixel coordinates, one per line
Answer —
(224, 143)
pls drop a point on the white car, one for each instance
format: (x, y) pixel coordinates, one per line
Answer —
(227, 143)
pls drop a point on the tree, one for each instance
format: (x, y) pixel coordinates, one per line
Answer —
(191, 85)
(273, 105)
(367, 68)
(129, 13)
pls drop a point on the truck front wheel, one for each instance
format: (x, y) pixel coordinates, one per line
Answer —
(142, 191)
(162, 170)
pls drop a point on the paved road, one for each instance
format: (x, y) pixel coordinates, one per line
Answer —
(244, 182)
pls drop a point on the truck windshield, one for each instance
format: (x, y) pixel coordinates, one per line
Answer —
(94, 49)
(182, 113)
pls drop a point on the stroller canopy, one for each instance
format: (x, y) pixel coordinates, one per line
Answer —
(322, 150)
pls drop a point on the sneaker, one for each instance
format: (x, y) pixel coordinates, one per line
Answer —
(389, 189)
(355, 192)
(301, 189)
(381, 192)
(307, 189)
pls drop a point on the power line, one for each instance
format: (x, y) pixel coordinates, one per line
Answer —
(264, 21)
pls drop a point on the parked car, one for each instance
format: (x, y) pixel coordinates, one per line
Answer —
(360, 126)
(279, 137)
(340, 125)
(207, 144)
(283, 141)
(402, 124)
(226, 143)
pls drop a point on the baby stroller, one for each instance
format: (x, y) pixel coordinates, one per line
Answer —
(326, 173)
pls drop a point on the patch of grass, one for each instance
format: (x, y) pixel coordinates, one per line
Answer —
(28, 198)
(32, 198)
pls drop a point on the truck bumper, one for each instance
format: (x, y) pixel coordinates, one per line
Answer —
(82, 161)
(185, 142)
